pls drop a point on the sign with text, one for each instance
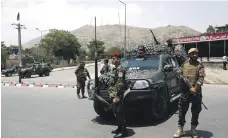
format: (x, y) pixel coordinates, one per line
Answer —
(194, 39)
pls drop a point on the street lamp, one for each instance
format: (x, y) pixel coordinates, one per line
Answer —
(41, 33)
(125, 30)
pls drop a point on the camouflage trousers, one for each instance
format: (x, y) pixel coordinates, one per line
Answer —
(80, 86)
(183, 106)
(119, 112)
(112, 91)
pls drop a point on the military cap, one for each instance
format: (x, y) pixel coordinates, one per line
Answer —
(192, 50)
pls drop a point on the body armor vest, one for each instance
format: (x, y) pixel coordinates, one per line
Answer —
(191, 71)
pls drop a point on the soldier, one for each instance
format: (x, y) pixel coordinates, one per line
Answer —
(81, 73)
(171, 46)
(116, 93)
(106, 68)
(194, 72)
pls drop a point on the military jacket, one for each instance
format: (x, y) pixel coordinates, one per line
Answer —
(117, 82)
(194, 72)
(105, 69)
(82, 73)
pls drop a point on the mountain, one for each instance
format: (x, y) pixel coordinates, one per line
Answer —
(111, 35)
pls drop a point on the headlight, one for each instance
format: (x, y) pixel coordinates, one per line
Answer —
(141, 84)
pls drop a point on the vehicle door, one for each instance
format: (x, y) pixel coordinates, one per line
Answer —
(168, 75)
(34, 68)
(175, 81)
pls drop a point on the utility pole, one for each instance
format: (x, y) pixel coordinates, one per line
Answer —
(19, 27)
(125, 30)
(96, 57)
(41, 37)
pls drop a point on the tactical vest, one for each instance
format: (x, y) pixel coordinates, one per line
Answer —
(82, 73)
(191, 71)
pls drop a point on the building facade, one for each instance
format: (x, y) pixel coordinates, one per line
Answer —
(211, 45)
(221, 29)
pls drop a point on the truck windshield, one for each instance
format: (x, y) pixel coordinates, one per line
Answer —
(140, 63)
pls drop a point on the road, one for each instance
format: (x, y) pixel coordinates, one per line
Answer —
(58, 77)
(57, 113)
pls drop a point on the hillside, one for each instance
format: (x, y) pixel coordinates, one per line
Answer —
(111, 35)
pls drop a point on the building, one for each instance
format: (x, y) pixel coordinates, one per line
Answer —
(221, 29)
(211, 45)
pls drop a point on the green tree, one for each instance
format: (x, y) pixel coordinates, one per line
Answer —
(60, 43)
(5, 52)
(210, 30)
(100, 48)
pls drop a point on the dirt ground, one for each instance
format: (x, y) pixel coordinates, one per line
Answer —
(215, 75)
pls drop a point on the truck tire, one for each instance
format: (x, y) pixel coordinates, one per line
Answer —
(28, 75)
(160, 105)
(46, 73)
(41, 75)
(99, 108)
(8, 74)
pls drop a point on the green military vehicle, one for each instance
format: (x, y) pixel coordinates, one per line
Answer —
(36, 69)
(10, 71)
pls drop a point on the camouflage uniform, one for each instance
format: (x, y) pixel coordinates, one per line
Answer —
(194, 72)
(81, 73)
(106, 68)
(116, 89)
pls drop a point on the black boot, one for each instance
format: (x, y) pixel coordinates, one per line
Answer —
(78, 93)
(122, 133)
(116, 131)
(83, 93)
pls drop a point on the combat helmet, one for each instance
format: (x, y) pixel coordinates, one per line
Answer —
(193, 50)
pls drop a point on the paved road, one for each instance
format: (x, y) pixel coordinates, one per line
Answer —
(57, 77)
(57, 113)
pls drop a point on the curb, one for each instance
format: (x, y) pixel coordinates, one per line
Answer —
(8, 84)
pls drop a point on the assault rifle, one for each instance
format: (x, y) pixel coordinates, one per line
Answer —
(179, 73)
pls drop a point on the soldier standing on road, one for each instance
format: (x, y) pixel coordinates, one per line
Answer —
(195, 73)
(81, 73)
(106, 68)
(116, 93)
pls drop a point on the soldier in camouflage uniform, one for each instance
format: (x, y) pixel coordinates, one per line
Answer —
(116, 93)
(195, 73)
(81, 73)
(171, 46)
(106, 68)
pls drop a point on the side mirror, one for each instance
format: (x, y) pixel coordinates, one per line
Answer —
(168, 68)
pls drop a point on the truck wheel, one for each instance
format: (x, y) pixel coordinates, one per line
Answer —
(41, 75)
(100, 110)
(28, 75)
(8, 74)
(160, 105)
(90, 90)
(46, 73)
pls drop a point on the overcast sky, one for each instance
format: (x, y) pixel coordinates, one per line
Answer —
(72, 14)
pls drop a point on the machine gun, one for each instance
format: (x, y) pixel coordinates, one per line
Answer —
(179, 73)
(155, 40)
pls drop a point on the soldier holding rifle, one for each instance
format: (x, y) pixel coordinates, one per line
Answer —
(195, 73)
(116, 93)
